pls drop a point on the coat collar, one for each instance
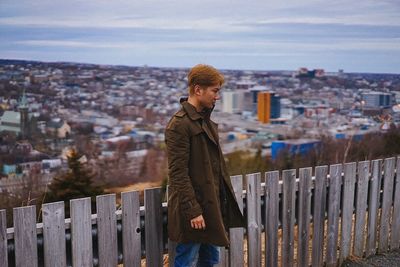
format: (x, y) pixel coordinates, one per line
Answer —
(194, 115)
(190, 109)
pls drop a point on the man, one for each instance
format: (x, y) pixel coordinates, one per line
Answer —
(201, 202)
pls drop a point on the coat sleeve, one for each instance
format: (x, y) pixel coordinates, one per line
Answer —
(178, 150)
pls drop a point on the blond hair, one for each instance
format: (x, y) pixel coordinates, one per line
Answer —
(204, 76)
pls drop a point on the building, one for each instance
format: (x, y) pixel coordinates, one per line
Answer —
(268, 106)
(376, 100)
(17, 122)
(233, 101)
(245, 84)
(11, 122)
(254, 97)
(293, 147)
(58, 128)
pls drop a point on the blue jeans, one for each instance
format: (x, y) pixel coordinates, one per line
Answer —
(188, 254)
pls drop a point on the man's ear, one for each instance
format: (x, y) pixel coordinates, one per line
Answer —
(197, 89)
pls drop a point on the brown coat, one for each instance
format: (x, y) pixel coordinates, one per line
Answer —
(196, 169)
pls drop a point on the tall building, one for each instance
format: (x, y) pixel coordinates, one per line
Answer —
(233, 101)
(268, 106)
(254, 96)
(377, 100)
(264, 107)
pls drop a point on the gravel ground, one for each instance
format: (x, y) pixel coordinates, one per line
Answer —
(391, 259)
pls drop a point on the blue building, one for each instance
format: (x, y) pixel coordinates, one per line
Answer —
(296, 146)
(275, 106)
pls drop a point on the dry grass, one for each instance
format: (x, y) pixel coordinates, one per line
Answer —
(137, 186)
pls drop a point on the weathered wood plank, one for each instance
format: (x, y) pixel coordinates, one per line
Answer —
(131, 243)
(361, 208)
(236, 250)
(288, 217)
(304, 208)
(272, 218)
(254, 219)
(395, 231)
(55, 253)
(153, 227)
(107, 230)
(81, 232)
(335, 181)
(223, 258)
(387, 199)
(348, 208)
(373, 206)
(171, 244)
(25, 236)
(171, 252)
(319, 215)
(3, 239)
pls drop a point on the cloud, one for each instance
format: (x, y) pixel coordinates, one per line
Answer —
(235, 46)
(205, 24)
(177, 31)
(348, 20)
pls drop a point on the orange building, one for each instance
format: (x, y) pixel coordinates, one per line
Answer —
(264, 106)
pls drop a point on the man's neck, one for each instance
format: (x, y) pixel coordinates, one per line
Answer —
(195, 104)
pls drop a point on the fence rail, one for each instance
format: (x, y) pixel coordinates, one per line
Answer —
(314, 217)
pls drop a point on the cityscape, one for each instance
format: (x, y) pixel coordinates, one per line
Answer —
(115, 116)
(308, 121)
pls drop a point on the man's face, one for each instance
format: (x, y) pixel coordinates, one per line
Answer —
(209, 96)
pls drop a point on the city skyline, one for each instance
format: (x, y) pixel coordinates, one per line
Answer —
(354, 36)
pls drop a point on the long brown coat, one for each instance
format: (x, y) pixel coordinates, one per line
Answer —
(196, 169)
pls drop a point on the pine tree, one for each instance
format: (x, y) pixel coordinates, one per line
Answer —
(75, 183)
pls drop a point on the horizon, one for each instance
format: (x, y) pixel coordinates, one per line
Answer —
(358, 37)
(171, 67)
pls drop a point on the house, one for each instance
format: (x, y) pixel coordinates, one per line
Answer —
(11, 122)
(59, 127)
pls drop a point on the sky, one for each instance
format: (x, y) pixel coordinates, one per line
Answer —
(353, 35)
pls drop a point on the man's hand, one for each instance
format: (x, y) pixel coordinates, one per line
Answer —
(198, 222)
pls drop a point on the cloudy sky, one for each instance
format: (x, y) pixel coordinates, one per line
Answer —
(354, 35)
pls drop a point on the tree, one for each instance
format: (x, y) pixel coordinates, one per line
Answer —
(77, 182)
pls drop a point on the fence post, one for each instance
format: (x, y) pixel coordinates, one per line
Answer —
(319, 215)
(335, 182)
(25, 236)
(288, 213)
(304, 208)
(347, 210)
(395, 233)
(107, 230)
(131, 243)
(3, 239)
(361, 208)
(171, 244)
(387, 199)
(236, 253)
(223, 257)
(153, 227)
(253, 220)
(55, 253)
(271, 218)
(373, 206)
(81, 232)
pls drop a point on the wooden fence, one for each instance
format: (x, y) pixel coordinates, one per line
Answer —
(317, 217)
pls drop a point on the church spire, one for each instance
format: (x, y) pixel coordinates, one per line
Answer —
(23, 102)
(23, 110)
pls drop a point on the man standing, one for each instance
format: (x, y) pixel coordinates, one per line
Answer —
(201, 202)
